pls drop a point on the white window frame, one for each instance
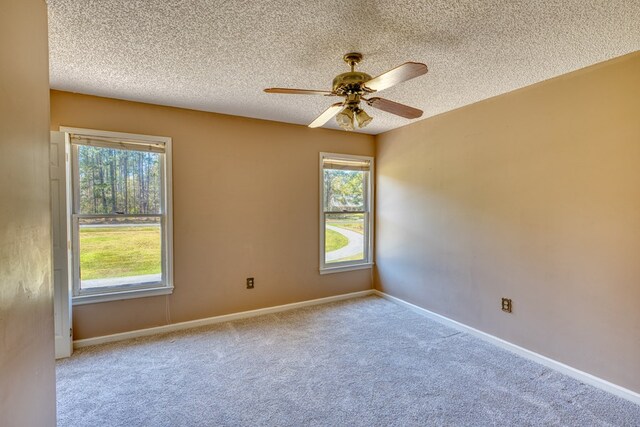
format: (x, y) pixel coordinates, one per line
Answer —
(165, 286)
(367, 262)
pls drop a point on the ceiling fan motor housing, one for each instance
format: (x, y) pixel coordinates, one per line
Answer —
(351, 82)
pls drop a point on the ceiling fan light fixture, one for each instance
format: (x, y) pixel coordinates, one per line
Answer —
(363, 118)
(345, 119)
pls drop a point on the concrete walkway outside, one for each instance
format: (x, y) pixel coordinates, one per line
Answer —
(354, 247)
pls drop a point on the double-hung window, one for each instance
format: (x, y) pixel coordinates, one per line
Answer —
(121, 215)
(346, 214)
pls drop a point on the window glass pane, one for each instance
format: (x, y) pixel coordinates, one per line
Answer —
(119, 251)
(344, 190)
(344, 237)
(118, 181)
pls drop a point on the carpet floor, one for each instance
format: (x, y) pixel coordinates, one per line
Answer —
(361, 362)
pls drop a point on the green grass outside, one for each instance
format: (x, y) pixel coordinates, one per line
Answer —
(133, 251)
(334, 241)
(119, 252)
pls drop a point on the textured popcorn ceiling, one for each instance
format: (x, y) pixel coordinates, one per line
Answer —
(217, 55)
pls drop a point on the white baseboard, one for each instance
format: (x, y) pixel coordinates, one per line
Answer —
(528, 354)
(543, 360)
(212, 320)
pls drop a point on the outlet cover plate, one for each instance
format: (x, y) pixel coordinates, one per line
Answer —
(506, 305)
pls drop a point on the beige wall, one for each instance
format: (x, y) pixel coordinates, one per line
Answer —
(535, 196)
(27, 376)
(245, 196)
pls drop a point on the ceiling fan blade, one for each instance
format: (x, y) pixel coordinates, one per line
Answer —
(394, 108)
(298, 91)
(402, 73)
(328, 114)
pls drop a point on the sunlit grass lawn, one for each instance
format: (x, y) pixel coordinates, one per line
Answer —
(119, 251)
(334, 241)
(133, 251)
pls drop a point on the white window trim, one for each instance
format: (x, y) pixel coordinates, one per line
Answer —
(121, 295)
(348, 265)
(131, 291)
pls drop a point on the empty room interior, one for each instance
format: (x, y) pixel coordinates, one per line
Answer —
(342, 213)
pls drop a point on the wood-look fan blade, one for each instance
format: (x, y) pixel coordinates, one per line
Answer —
(402, 73)
(394, 108)
(328, 114)
(298, 91)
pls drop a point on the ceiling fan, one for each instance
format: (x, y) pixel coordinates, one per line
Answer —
(354, 86)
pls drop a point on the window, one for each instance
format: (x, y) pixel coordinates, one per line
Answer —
(345, 212)
(121, 215)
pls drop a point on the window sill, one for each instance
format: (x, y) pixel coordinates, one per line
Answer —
(120, 295)
(330, 270)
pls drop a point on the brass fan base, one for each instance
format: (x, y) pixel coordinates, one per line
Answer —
(351, 82)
